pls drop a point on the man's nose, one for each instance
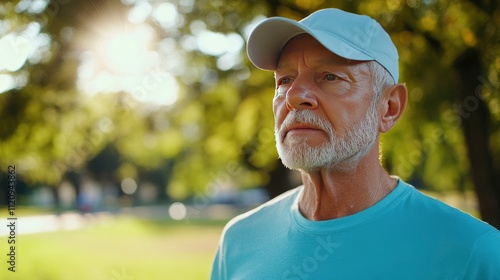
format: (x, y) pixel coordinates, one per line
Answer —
(301, 95)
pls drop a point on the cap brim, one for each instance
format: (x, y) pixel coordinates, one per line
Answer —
(267, 40)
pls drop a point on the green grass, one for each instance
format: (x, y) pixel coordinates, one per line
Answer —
(127, 249)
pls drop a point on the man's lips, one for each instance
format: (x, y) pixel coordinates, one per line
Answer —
(302, 128)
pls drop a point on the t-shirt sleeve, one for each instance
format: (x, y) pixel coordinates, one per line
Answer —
(215, 275)
(484, 262)
(218, 266)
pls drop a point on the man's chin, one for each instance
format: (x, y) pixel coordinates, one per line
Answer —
(303, 161)
(344, 166)
(315, 161)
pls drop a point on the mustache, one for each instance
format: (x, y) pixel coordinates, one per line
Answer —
(304, 117)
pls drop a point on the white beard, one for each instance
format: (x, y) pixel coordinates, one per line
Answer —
(339, 152)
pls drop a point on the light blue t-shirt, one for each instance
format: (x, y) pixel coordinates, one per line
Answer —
(406, 235)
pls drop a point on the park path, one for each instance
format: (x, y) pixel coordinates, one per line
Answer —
(53, 222)
(74, 220)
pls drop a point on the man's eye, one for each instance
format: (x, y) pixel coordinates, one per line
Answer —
(331, 77)
(284, 81)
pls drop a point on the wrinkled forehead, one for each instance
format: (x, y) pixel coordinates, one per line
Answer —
(308, 51)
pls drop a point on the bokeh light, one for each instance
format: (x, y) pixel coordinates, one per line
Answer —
(177, 211)
(129, 186)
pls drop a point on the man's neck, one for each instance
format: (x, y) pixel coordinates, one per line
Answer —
(336, 193)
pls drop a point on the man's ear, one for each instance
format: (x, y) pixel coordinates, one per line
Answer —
(392, 105)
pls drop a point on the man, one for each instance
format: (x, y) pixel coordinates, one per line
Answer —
(336, 90)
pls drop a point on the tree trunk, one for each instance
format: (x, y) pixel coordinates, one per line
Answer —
(279, 181)
(475, 120)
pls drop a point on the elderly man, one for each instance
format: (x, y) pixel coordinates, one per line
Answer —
(336, 90)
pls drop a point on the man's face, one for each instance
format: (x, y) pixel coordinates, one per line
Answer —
(324, 112)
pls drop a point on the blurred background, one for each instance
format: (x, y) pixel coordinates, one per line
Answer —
(138, 128)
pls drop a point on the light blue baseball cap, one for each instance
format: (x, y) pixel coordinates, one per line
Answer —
(352, 36)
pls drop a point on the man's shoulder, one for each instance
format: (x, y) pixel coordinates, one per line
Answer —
(272, 210)
(443, 216)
